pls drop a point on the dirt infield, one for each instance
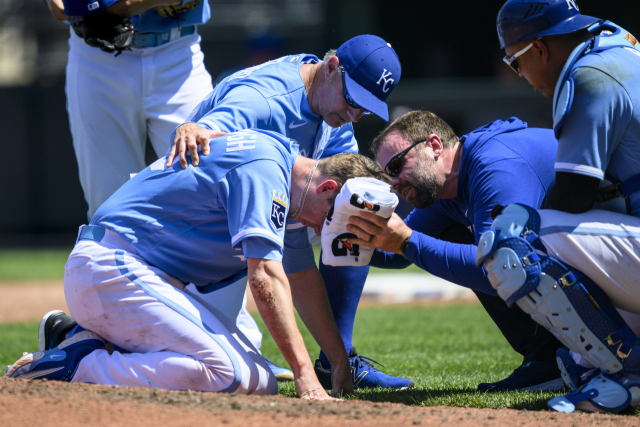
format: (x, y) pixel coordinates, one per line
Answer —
(43, 403)
(29, 403)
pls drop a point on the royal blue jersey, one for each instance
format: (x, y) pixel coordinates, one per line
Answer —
(201, 223)
(149, 21)
(601, 134)
(501, 163)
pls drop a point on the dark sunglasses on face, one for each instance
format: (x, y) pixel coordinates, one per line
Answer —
(394, 166)
(348, 99)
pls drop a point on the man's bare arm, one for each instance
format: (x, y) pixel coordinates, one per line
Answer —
(310, 299)
(56, 7)
(272, 294)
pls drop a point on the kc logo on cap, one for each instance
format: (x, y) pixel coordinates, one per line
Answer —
(372, 71)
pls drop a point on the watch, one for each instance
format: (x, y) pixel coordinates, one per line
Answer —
(403, 246)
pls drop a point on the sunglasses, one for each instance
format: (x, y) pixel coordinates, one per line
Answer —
(394, 166)
(349, 100)
(512, 61)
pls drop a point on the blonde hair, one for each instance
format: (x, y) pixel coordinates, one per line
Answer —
(345, 166)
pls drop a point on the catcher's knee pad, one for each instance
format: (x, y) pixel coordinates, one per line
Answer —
(554, 295)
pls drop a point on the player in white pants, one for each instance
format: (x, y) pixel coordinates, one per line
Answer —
(211, 225)
(115, 103)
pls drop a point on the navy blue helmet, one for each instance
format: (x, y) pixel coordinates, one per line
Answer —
(521, 20)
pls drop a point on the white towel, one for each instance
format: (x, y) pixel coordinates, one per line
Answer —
(356, 195)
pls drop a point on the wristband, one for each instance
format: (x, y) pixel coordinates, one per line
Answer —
(403, 247)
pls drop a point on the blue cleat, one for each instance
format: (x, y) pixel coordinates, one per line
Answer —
(282, 374)
(364, 374)
(59, 363)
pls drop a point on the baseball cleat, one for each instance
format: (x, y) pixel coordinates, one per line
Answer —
(59, 363)
(54, 328)
(363, 373)
(542, 375)
(573, 374)
(281, 374)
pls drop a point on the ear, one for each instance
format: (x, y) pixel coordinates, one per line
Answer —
(332, 65)
(327, 185)
(541, 50)
(436, 145)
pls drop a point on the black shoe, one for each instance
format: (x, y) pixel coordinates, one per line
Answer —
(53, 329)
(543, 375)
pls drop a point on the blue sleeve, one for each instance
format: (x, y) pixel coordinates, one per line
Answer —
(241, 108)
(334, 141)
(253, 205)
(599, 117)
(388, 260)
(298, 252)
(85, 7)
(450, 261)
(432, 220)
(511, 180)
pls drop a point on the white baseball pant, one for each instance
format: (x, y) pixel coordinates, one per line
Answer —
(603, 245)
(176, 342)
(114, 103)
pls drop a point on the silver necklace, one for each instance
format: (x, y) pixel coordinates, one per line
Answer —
(303, 196)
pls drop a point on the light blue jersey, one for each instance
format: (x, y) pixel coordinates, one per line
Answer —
(201, 223)
(149, 21)
(601, 135)
(272, 96)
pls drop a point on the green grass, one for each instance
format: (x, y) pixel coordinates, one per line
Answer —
(33, 264)
(447, 351)
(22, 265)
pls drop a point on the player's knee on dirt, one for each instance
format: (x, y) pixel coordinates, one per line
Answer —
(558, 297)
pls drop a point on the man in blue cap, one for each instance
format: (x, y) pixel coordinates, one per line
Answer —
(314, 102)
(572, 266)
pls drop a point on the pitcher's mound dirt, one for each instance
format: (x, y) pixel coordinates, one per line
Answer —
(42, 403)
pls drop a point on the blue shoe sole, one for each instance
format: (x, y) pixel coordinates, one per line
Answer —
(59, 363)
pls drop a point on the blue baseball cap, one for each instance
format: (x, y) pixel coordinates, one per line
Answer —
(371, 71)
(520, 20)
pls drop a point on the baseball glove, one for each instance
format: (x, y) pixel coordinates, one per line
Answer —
(109, 33)
(171, 11)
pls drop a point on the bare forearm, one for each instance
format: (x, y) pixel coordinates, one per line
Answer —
(273, 299)
(310, 299)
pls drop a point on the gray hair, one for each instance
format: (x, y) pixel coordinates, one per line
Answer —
(329, 54)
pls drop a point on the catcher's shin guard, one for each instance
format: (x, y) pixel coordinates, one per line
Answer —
(561, 299)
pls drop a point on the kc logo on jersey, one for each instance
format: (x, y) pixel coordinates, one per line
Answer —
(278, 209)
